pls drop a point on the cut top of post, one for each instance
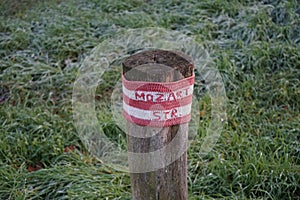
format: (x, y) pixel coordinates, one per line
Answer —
(174, 59)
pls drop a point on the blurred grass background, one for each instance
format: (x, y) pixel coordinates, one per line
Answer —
(254, 44)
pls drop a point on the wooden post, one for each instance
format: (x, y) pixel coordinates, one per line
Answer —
(170, 182)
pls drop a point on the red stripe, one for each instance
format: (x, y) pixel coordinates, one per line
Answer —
(166, 105)
(158, 87)
(169, 122)
(163, 105)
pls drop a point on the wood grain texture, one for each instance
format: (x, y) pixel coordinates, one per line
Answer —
(170, 182)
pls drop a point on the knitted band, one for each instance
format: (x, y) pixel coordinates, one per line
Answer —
(157, 104)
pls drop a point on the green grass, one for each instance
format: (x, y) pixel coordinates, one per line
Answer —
(255, 45)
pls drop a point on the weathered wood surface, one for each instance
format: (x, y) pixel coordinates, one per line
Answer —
(170, 182)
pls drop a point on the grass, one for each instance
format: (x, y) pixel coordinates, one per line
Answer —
(255, 46)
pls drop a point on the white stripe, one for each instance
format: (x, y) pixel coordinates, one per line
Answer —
(158, 96)
(157, 115)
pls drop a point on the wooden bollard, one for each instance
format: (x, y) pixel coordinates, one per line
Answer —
(169, 182)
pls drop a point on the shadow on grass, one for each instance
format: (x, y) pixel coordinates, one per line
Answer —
(17, 7)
